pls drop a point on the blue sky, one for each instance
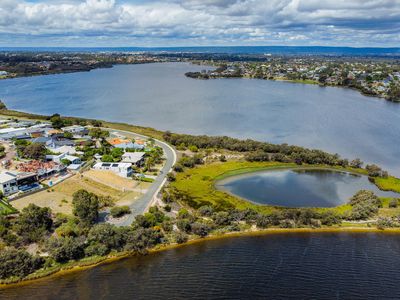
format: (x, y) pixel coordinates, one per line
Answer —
(355, 23)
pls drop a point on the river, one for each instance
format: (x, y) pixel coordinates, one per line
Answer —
(276, 266)
(334, 119)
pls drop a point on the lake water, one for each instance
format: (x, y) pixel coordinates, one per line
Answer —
(310, 266)
(159, 95)
(277, 266)
(299, 188)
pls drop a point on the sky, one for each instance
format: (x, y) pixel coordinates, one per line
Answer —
(146, 23)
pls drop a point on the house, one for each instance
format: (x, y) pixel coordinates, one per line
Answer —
(58, 158)
(136, 158)
(65, 149)
(3, 73)
(9, 133)
(76, 130)
(8, 184)
(53, 142)
(42, 169)
(121, 169)
(12, 182)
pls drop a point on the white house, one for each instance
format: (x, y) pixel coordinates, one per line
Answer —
(8, 183)
(58, 158)
(9, 133)
(136, 158)
(76, 130)
(121, 169)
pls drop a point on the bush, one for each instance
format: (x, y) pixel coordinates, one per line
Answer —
(221, 218)
(181, 237)
(119, 211)
(262, 221)
(393, 203)
(365, 204)
(200, 229)
(206, 211)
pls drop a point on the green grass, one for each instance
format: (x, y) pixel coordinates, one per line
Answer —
(6, 208)
(198, 184)
(388, 184)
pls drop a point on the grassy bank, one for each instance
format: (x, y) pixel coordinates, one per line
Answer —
(388, 184)
(198, 184)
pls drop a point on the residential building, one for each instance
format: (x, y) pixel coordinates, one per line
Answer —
(136, 158)
(8, 184)
(76, 130)
(58, 158)
(121, 169)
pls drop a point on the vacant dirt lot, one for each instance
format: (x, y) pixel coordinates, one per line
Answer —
(59, 198)
(111, 179)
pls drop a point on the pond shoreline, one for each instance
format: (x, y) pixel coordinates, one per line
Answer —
(221, 180)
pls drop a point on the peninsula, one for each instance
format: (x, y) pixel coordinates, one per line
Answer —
(89, 225)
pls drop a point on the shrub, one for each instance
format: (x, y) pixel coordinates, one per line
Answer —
(200, 229)
(119, 211)
(206, 210)
(181, 237)
(393, 203)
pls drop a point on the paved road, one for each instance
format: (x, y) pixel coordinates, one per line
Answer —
(141, 205)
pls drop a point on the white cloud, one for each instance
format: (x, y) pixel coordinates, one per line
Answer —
(356, 22)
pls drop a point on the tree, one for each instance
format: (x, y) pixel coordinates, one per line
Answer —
(85, 206)
(97, 133)
(107, 235)
(117, 153)
(65, 162)
(145, 221)
(33, 222)
(68, 135)
(17, 263)
(64, 249)
(375, 171)
(140, 239)
(107, 158)
(35, 151)
(56, 121)
(2, 105)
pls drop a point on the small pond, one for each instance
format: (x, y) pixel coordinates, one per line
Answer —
(299, 187)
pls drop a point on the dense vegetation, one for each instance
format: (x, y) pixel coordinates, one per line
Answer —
(261, 151)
